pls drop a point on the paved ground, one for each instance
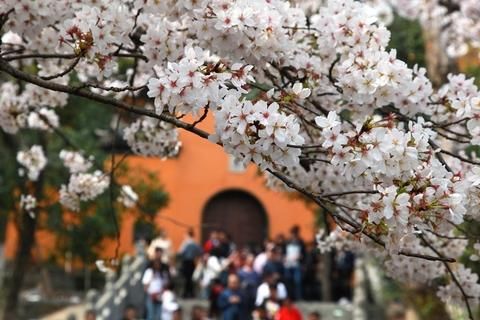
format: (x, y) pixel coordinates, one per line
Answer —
(73, 312)
(329, 311)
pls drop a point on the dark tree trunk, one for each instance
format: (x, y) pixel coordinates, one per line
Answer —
(22, 258)
(326, 276)
(439, 65)
(26, 226)
(326, 265)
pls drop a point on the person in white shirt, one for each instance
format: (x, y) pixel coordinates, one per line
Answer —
(262, 258)
(169, 303)
(263, 291)
(154, 280)
(162, 242)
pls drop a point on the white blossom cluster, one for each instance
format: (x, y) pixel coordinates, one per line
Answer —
(28, 203)
(468, 280)
(33, 108)
(458, 99)
(414, 188)
(368, 75)
(12, 109)
(191, 84)
(411, 270)
(33, 160)
(128, 197)
(458, 19)
(75, 161)
(258, 132)
(476, 256)
(83, 187)
(152, 137)
(337, 239)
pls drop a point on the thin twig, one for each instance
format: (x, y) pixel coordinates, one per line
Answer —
(61, 74)
(41, 56)
(452, 274)
(204, 115)
(111, 191)
(339, 194)
(459, 157)
(333, 81)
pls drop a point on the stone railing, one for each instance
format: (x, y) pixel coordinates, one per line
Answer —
(367, 296)
(120, 290)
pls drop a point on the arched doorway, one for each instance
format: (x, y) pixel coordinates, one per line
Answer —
(239, 214)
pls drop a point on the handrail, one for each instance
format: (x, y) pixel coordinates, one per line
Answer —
(120, 289)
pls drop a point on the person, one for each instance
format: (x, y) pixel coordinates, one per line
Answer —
(212, 242)
(272, 303)
(311, 283)
(178, 314)
(262, 257)
(281, 242)
(169, 302)
(263, 291)
(130, 313)
(199, 313)
(294, 254)
(314, 316)
(231, 301)
(162, 242)
(154, 280)
(259, 313)
(288, 311)
(209, 281)
(249, 280)
(225, 245)
(274, 263)
(190, 251)
(90, 315)
(216, 289)
(345, 265)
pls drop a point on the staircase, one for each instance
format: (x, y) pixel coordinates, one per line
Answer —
(126, 289)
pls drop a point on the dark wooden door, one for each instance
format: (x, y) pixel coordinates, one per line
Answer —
(237, 213)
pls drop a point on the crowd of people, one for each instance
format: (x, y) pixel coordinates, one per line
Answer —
(238, 282)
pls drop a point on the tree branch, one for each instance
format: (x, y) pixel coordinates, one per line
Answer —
(81, 92)
(6, 67)
(61, 74)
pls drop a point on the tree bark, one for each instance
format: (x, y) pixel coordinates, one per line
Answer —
(22, 258)
(26, 238)
(439, 64)
(326, 277)
(326, 265)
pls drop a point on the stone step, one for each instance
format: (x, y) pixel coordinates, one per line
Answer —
(329, 311)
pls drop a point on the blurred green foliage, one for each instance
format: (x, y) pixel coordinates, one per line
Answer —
(407, 39)
(82, 239)
(474, 72)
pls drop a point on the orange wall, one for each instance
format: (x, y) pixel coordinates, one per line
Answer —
(197, 174)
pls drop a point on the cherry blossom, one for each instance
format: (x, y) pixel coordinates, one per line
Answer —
(33, 160)
(152, 137)
(127, 196)
(28, 203)
(83, 187)
(75, 162)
